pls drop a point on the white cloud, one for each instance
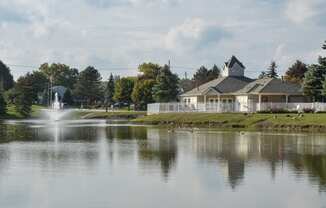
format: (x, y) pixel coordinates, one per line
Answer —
(193, 34)
(123, 33)
(299, 11)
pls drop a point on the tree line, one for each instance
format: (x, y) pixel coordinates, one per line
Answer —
(155, 83)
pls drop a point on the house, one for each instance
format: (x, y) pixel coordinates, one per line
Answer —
(236, 92)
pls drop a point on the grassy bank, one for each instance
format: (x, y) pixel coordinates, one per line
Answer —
(305, 122)
(13, 114)
(109, 115)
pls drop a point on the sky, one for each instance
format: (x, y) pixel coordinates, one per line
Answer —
(115, 36)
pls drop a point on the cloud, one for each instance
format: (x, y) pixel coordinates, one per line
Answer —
(194, 34)
(299, 11)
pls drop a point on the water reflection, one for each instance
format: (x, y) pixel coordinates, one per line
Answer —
(198, 163)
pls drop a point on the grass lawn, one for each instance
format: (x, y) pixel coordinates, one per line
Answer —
(238, 120)
(13, 114)
(109, 115)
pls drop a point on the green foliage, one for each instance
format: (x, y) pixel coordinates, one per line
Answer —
(6, 79)
(10, 96)
(204, 75)
(313, 82)
(123, 90)
(109, 91)
(67, 97)
(88, 87)
(296, 72)
(149, 70)
(324, 46)
(60, 74)
(142, 93)
(271, 71)
(3, 105)
(24, 96)
(166, 88)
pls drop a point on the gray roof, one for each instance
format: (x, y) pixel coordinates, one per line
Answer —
(232, 61)
(222, 85)
(271, 85)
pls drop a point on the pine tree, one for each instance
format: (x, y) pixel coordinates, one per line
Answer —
(271, 71)
(67, 97)
(313, 82)
(262, 75)
(3, 105)
(109, 92)
(166, 88)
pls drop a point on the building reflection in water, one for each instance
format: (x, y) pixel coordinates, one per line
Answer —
(157, 150)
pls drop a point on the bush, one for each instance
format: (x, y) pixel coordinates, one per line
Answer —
(308, 110)
(276, 111)
(3, 105)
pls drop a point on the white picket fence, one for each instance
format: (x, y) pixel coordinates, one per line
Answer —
(157, 108)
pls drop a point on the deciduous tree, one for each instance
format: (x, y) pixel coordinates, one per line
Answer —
(296, 72)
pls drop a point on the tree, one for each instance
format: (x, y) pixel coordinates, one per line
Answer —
(313, 82)
(296, 72)
(123, 90)
(109, 91)
(324, 46)
(88, 86)
(3, 105)
(60, 74)
(186, 85)
(166, 88)
(24, 95)
(204, 75)
(271, 71)
(142, 93)
(149, 70)
(262, 75)
(6, 79)
(201, 76)
(67, 97)
(214, 73)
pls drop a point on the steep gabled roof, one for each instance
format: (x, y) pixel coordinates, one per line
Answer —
(221, 85)
(270, 85)
(232, 61)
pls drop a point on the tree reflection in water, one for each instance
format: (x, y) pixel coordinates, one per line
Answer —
(304, 154)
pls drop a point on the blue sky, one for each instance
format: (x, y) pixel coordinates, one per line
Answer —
(117, 35)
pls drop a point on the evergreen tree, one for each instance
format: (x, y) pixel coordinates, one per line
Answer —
(213, 73)
(166, 88)
(6, 79)
(271, 71)
(296, 72)
(313, 82)
(324, 46)
(201, 76)
(24, 96)
(3, 105)
(109, 91)
(67, 97)
(262, 75)
(88, 86)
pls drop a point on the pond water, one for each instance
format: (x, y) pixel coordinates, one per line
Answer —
(95, 164)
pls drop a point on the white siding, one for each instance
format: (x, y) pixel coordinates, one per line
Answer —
(236, 70)
(242, 102)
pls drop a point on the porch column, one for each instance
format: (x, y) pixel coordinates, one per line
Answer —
(286, 101)
(259, 101)
(205, 103)
(219, 103)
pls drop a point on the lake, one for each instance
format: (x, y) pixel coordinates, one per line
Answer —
(100, 164)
